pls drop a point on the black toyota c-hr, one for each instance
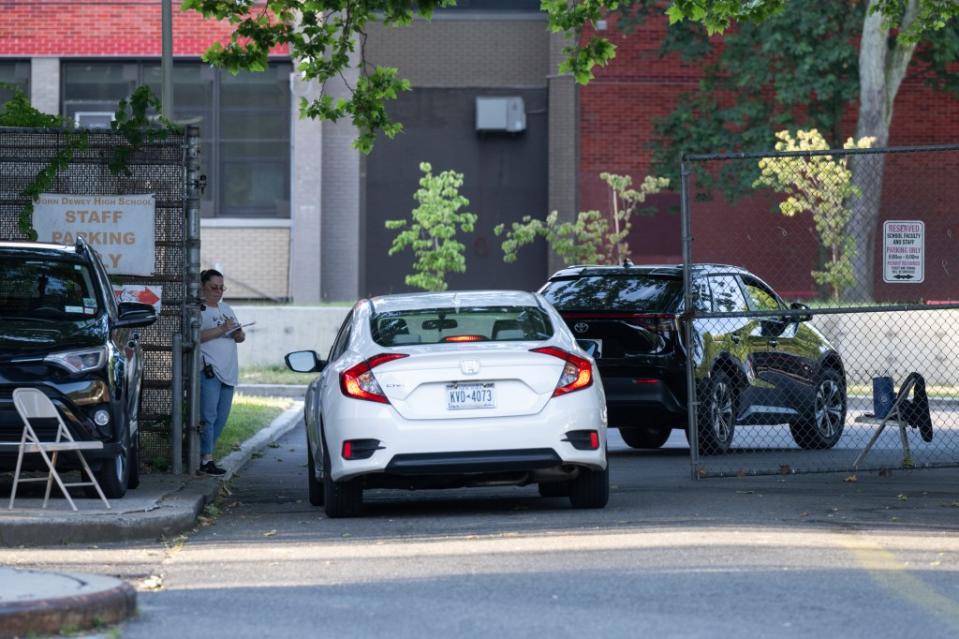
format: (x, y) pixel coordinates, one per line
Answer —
(61, 331)
(748, 370)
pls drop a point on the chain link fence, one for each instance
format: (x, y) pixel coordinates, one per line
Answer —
(160, 168)
(825, 291)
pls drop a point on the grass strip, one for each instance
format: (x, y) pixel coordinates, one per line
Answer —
(248, 416)
(273, 375)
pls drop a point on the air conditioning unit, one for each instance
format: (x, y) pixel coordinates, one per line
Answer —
(507, 113)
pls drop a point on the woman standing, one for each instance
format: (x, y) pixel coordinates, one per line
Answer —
(219, 335)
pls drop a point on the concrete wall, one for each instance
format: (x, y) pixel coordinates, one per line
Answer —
(511, 51)
(281, 329)
(896, 344)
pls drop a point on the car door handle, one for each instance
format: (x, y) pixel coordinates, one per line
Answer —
(774, 343)
(735, 338)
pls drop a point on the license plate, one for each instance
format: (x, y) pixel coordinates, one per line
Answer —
(467, 396)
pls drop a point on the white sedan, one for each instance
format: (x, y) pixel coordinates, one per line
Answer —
(445, 390)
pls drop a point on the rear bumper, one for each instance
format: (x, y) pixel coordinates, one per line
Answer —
(484, 461)
(636, 403)
(466, 445)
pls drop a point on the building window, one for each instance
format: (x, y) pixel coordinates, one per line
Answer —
(13, 73)
(244, 125)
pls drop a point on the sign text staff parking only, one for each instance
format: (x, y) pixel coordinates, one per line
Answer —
(903, 251)
(119, 227)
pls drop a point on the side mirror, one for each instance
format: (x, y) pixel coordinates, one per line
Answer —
(591, 346)
(799, 306)
(304, 362)
(134, 314)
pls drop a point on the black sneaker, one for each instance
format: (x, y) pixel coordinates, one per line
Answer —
(211, 468)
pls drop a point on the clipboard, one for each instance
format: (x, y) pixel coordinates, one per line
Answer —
(239, 327)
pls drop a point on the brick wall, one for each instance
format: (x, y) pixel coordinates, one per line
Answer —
(259, 270)
(617, 114)
(115, 29)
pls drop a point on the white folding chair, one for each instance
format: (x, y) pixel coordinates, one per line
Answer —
(32, 403)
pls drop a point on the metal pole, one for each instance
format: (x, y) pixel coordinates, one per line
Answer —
(166, 61)
(692, 398)
(176, 393)
(191, 319)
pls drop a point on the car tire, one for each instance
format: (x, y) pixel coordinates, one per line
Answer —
(590, 489)
(112, 476)
(822, 428)
(554, 489)
(340, 498)
(717, 415)
(645, 436)
(315, 486)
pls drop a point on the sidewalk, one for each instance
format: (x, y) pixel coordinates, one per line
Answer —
(33, 602)
(163, 504)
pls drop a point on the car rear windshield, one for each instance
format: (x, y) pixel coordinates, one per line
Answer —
(463, 324)
(46, 289)
(639, 292)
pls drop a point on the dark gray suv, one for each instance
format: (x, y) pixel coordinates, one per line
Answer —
(62, 331)
(749, 370)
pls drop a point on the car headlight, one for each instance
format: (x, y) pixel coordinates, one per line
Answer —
(79, 361)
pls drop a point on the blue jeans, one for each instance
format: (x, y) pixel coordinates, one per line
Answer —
(216, 398)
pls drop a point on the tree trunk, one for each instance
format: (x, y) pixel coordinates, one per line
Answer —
(882, 66)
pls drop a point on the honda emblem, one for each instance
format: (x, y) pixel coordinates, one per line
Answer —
(469, 366)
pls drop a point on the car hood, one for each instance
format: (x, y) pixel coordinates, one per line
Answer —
(19, 337)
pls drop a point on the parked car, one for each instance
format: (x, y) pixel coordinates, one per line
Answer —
(446, 390)
(748, 370)
(62, 331)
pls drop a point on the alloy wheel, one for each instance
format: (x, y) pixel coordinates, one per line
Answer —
(829, 408)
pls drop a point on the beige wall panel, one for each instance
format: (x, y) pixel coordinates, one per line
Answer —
(464, 53)
(255, 261)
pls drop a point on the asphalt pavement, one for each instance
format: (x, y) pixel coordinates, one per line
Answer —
(650, 489)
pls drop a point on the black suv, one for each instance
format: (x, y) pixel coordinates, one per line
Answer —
(62, 331)
(749, 370)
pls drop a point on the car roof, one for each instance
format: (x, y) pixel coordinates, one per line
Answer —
(447, 299)
(39, 249)
(665, 270)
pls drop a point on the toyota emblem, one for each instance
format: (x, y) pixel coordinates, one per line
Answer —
(580, 327)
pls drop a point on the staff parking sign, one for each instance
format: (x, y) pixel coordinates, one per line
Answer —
(903, 251)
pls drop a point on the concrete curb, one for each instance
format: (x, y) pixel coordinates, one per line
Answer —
(280, 426)
(49, 602)
(172, 511)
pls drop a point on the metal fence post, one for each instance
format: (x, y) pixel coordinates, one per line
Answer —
(192, 303)
(176, 401)
(692, 398)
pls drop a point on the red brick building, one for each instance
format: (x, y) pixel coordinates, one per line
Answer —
(292, 212)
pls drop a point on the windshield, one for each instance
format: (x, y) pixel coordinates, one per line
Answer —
(46, 289)
(638, 292)
(463, 324)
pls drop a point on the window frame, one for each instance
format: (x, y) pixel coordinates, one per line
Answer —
(136, 72)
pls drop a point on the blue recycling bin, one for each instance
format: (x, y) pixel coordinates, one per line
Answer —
(883, 395)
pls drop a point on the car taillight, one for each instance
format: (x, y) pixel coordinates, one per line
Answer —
(358, 382)
(577, 373)
(662, 324)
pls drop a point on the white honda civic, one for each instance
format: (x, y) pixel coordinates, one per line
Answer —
(445, 390)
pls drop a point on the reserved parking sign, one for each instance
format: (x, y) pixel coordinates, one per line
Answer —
(903, 251)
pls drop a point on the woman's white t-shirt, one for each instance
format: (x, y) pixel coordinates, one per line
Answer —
(220, 352)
